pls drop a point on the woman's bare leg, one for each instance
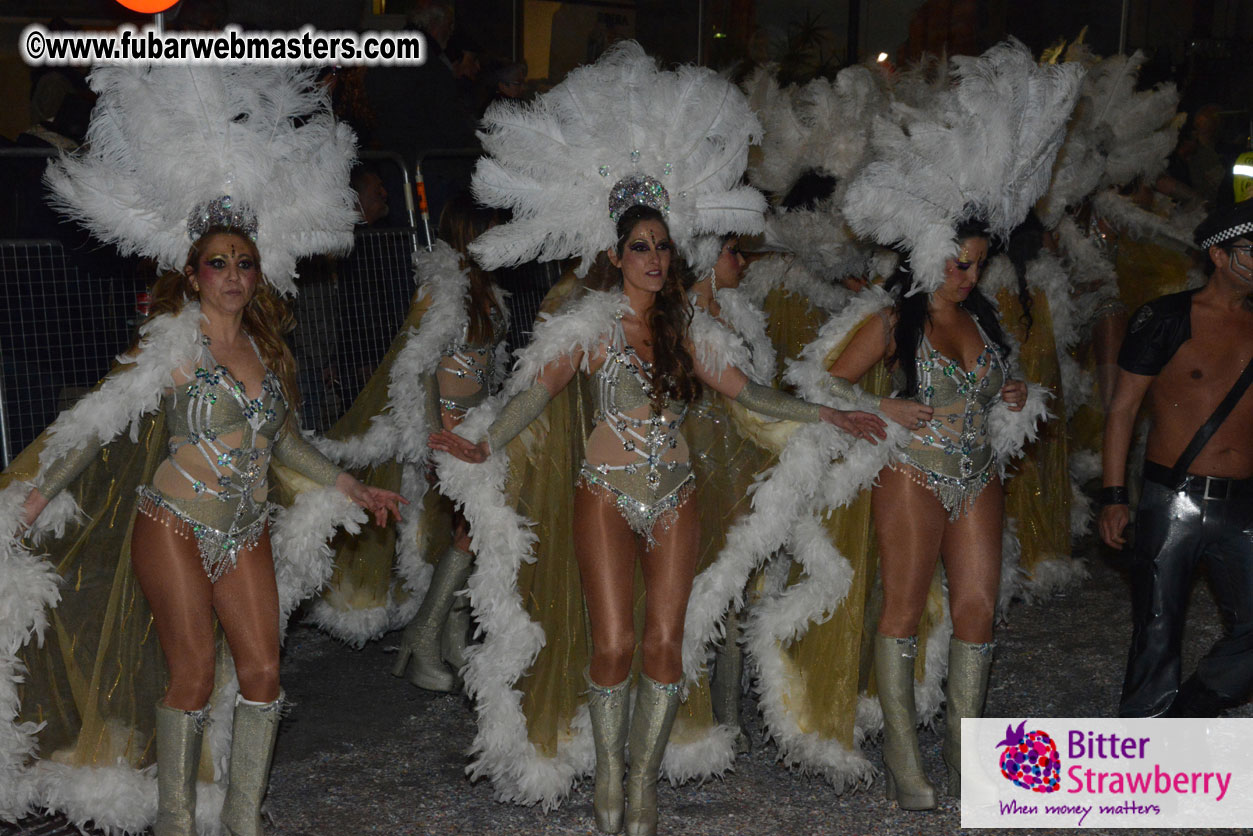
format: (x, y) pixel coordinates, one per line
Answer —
(180, 595)
(606, 548)
(972, 561)
(669, 568)
(246, 601)
(909, 525)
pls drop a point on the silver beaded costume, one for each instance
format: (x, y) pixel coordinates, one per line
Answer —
(466, 361)
(650, 490)
(952, 454)
(215, 455)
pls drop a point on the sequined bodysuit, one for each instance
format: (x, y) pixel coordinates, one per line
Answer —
(952, 455)
(213, 485)
(466, 374)
(635, 456)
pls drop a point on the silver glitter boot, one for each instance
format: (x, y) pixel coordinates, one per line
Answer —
(964, 695)
(725, 687)
(252, 748)
(421, 648)
(456, 634)
(179, 734)
(655, 707)
(609, 709)
(907, 783)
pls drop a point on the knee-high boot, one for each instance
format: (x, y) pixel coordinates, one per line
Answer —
(964, 695)
(655, 707)
(894, 672)
(421, 647)
(179, 734)
(457, 632)
(609, 709)
(725, 685)
(252, 748)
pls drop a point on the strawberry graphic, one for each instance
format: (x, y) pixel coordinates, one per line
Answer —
(1030, 759)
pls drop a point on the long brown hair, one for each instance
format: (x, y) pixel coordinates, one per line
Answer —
(673, 376)
(266, 318)
(460, 222)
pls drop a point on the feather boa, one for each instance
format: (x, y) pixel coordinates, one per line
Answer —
(503, 540)
(787, 615)
(116, 798)
(748, 321)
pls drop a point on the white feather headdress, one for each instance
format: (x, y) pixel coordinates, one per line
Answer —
(555, 161)
(1116, 135)
(822, 127)
(981, 149)
(166, 141)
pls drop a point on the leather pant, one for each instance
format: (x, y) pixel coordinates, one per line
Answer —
(1174, 530)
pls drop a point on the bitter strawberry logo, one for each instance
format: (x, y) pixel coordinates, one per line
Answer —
(1030, 759)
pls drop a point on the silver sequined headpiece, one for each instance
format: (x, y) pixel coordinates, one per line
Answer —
(638, 190)
(222, 212)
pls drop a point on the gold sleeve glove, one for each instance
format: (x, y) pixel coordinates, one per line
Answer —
(854, 395)
(63, 471)
(516, 415)
(293, 451)
(771, 402)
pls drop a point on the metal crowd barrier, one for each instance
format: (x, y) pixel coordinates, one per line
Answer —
(69, 306)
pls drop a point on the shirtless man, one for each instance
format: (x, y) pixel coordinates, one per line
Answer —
(1185, 351)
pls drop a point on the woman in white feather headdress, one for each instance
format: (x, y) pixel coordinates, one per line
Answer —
(210, 385)
(676, 144)
(447, 358)
(945, 179)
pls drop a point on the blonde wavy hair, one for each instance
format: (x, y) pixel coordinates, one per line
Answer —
(267, 318)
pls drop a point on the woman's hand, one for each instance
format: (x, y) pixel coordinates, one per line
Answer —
(1112, 523)
(908, 413)
(33, 507)
(459, 446)
(864, 425)
(1014, 393)
(377, 501)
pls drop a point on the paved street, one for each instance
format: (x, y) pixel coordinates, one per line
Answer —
(365, 753)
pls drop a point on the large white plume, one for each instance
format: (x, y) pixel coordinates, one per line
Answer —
(554, 161)
(1116, 135)
(164, 140)
(981, 149)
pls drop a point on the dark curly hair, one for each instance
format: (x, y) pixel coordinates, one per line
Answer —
(673, 375)
(912, 314)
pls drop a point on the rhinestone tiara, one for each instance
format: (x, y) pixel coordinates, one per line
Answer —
(222, 212)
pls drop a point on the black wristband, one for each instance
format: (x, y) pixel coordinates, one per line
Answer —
(1114, 495)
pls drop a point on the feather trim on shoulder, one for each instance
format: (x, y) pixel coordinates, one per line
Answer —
(749, 322)
(167, 343)
(718, 347)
